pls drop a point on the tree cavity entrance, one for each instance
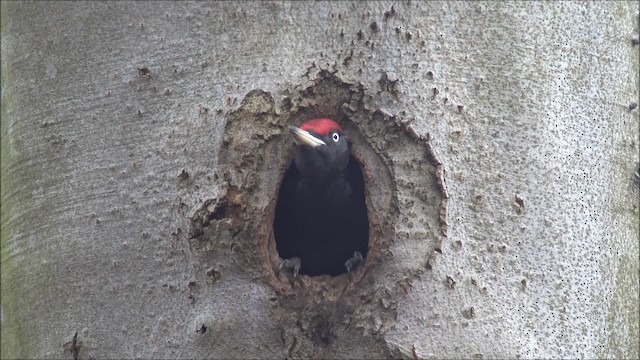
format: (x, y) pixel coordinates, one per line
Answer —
(321, 224)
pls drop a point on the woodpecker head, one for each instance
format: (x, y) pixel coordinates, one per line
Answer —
(322, 149)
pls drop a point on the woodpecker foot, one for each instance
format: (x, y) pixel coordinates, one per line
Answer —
(291, 265)
(353, 262)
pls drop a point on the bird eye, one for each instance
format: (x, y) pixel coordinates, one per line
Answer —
(336, 137)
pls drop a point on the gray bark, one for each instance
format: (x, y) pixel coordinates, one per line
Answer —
(143, 144)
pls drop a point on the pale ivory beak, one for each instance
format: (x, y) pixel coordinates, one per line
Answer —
(302, 137)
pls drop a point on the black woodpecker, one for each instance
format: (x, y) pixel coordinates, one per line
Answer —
(321, 224)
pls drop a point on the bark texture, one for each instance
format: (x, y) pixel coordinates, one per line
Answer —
(143, 145)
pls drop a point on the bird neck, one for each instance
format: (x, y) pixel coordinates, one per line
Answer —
(329, 189)
(322, 180)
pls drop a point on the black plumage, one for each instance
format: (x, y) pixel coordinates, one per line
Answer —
(321, 215)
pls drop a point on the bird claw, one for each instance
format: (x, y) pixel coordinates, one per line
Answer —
(293, 265)
(353, 262)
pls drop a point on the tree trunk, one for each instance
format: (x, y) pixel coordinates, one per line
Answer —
(143, 145)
